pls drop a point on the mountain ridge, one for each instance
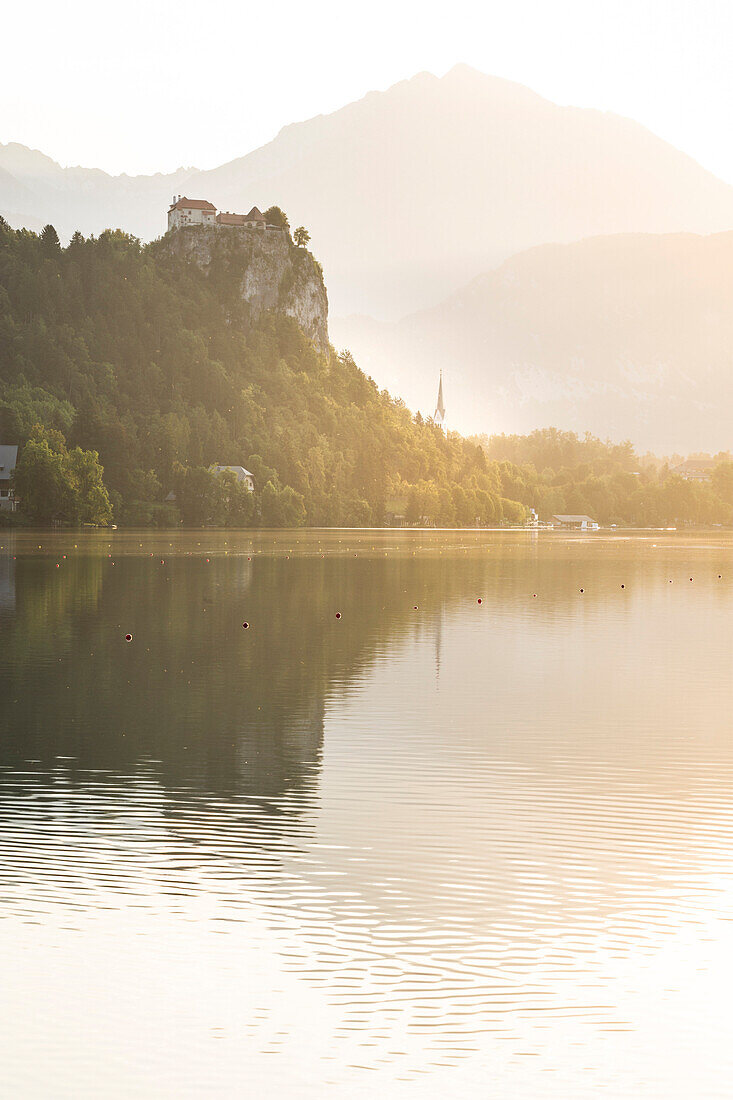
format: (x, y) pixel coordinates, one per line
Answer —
(411, 191)
(627, 336)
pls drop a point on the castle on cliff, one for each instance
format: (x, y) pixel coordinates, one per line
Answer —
(184, 211)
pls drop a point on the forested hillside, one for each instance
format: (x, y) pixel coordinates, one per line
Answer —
(557, 471)
(145, 358)
(154, 362)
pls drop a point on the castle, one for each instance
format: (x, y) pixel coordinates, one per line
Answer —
(184, 211)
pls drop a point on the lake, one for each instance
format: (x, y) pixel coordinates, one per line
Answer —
(452, 814)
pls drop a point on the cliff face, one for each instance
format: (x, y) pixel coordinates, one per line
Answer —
(270, 272)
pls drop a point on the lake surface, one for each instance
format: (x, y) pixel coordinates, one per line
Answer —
(432, 847)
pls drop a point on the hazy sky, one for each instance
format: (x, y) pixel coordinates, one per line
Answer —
(147, 86)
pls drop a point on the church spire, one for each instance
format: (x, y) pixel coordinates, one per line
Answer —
(439, 415)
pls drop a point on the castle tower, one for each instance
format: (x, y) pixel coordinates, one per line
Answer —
(439, 414)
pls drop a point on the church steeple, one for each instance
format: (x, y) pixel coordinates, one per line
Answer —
(439, 415)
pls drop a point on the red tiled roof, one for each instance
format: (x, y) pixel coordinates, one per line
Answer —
(193, 204)
(230, 219)
(240, 219)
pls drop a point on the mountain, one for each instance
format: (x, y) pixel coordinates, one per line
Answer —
(411, 192)
(628, 336)
(36, 190)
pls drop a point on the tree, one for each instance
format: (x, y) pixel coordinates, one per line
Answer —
(275, 216)
(412, 511)
(91, 503)
(50, 240)
(239, 505)
(722, 481)
(199, 495)
(146, 485)
(301, 236)
(54, 483)
(23, 406)
(282, 507)
(40, 480)
(513, 512)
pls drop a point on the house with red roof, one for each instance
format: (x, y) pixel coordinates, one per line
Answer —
(254, 220)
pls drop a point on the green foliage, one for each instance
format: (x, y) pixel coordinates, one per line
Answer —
(282, 507)
(557, 450)
(301, 236)
(722, 481)
(605, 481)
(154, 364)
(199, 495)
(55, 483)
(275, 216)
(91, 503)
(40, 479)
(22, 406)
(50, 240)
(204, 497)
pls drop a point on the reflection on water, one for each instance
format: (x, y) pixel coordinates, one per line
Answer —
(432, 845)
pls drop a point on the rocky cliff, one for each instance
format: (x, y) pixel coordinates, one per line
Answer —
(269, 271)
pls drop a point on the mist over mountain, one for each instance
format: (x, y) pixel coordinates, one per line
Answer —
(411, 192)
(35, 190)
(628, 336)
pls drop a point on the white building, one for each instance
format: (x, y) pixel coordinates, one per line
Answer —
(242, 475)
(190, 212)
(8, 461)
(576, 523)
(695, 469)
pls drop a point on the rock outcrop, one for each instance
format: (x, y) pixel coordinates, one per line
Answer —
(269, 271)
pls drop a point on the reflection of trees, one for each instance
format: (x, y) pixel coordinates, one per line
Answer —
(218, 707)
(7, 584)
(223, 708)
(501, 827)
(226, 709)
(48, 601)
